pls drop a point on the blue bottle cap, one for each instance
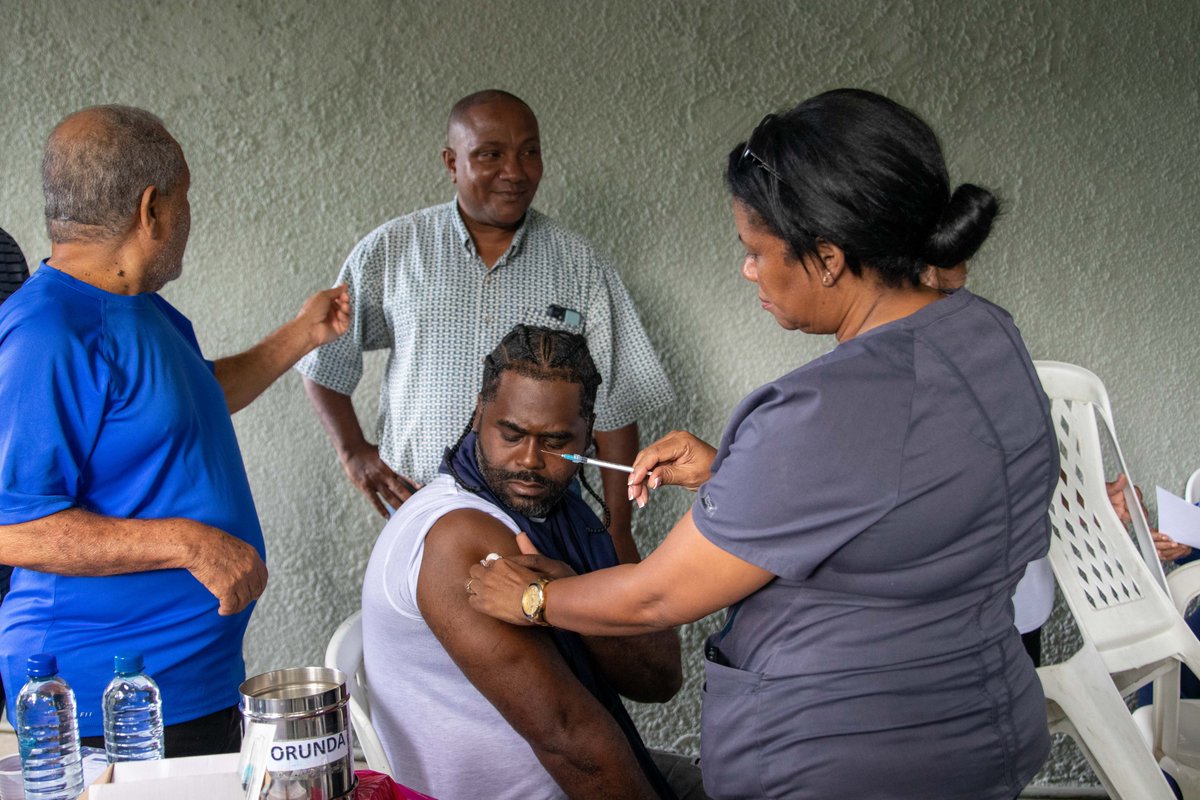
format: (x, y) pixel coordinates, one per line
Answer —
(127, 663)
(42, 665)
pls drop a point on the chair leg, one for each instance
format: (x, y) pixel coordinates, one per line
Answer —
(1103, 728)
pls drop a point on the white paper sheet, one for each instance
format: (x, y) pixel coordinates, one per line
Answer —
(1178, 518)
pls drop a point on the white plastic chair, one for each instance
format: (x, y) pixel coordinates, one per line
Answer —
(1192, 492)
(345, 652)
(1068, 382)
(1132, 632)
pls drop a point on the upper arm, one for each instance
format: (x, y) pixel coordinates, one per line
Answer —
(806, 464)
(338, 365)
(509, 665)
(53, 402)
(685, 554)
(685, 579)
(366, 275)
(634, 380)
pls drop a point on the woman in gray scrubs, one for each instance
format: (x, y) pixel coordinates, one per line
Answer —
(866, 516)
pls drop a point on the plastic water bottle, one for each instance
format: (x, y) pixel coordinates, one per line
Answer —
(133, 728)
(47, 733)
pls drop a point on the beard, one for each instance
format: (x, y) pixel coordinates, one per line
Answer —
(498, 478)
(168, 263)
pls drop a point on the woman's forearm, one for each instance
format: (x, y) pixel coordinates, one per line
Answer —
(685, 579)
(610, 602)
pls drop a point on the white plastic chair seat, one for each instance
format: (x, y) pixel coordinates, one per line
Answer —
(345, 652)
(1187, 746)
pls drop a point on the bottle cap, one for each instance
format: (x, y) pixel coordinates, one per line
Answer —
(42, 665)
(127, 663)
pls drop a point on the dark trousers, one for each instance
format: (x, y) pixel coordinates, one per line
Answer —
(1033, 645)
(5, 577)
(219, 732)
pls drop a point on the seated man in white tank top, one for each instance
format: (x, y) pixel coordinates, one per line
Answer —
(462, 701)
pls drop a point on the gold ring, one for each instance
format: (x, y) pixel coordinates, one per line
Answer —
(469, 582)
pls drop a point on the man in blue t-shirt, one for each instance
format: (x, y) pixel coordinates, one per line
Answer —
(124, 503)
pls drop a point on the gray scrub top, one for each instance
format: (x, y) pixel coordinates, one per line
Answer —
(897, 487)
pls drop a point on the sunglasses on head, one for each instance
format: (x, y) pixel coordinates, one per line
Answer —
(748, 152)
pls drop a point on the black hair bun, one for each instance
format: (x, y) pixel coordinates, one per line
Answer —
(964, 226)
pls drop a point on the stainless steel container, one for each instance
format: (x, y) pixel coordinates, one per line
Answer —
(312, 757)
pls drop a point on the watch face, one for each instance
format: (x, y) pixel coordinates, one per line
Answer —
(531, 600)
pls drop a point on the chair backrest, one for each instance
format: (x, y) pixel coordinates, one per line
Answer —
(1077, 396)
(345, 652)
(1119, 602)
(1192, 492)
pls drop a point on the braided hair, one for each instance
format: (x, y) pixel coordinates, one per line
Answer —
(543, 354)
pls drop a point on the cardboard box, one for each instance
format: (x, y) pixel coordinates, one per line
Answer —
(195, 778)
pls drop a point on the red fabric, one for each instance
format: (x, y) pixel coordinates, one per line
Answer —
(377, 786)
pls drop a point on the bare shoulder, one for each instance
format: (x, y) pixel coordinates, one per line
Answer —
(491, 653)
(467, 533)
(457, 540)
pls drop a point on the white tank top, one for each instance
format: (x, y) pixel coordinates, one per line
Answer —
(441, 735)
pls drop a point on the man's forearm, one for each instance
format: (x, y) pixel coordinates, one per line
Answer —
(76, 542)
(619, 446)
(360, 459)
(247, 375)
(645, 668)
(589, 757)
(336, 413)
(324, 317)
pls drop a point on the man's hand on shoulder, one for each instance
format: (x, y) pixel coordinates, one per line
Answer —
(225, 565)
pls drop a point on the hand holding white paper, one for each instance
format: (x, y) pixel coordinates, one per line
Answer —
(1178, 518)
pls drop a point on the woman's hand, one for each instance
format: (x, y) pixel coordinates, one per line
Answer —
(497, 585)
(677, 459)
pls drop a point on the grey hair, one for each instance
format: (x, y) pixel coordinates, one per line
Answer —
(93, 183)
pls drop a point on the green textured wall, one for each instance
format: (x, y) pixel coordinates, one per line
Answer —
(307, 125)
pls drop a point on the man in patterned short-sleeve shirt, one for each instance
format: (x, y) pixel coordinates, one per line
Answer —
(441, 286)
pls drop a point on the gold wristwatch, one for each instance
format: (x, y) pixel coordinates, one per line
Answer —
(533, 602)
